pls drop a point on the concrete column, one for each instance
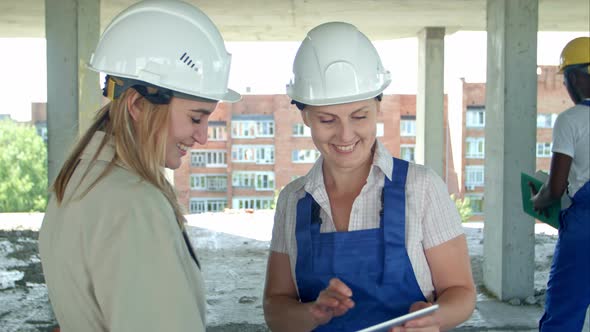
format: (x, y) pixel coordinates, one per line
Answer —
(72, 30)
(510, 134)
(430, 99)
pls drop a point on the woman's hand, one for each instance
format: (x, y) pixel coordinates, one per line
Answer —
(332, 302)
(423, 324)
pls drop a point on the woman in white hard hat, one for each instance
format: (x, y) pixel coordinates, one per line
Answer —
(568, 289)
(363, 237)
(113, 247)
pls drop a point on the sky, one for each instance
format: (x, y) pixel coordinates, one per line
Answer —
(265, 67)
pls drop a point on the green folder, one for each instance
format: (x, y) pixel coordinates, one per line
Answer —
(527, 205)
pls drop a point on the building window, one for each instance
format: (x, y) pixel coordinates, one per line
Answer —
(243, 129)
(301, 130)
(208, 158)
(380, 129)
(475, 117)
(265, 154)
(265, 128)
(475, 147)
(259, 154)
(476, 202)
(255, 180)
(255, 203)
(544, 149)
(474, 176)
(217, 132)
(408, 126)
(42, 130)
(252, 128)
(209, 182)
(546, 120)
(200, 205)
(407, 152)
(305, 156)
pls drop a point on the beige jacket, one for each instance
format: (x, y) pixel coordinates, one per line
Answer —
(115, 259)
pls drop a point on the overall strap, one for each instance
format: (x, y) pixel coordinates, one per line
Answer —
(303, 233)
(394, 197)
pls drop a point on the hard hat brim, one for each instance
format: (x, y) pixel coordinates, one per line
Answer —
(338, 100)
(230, 96)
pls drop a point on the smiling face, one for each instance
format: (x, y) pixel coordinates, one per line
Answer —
(344, 133)
(187, 124)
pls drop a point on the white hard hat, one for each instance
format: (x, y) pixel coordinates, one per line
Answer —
(336, 64)
(170, 44)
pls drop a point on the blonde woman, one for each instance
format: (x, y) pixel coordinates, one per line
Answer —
(112, 243)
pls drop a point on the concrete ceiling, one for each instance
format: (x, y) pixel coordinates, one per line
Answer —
(243, 20)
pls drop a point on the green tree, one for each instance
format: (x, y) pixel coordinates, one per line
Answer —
(464, 207)
(23, 168)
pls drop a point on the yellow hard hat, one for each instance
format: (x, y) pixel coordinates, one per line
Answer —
(576, 52)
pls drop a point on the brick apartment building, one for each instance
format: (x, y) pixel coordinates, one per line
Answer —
(552, 99)
(260, 144)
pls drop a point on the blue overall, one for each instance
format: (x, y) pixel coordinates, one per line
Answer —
(568, 288)
(374, 263)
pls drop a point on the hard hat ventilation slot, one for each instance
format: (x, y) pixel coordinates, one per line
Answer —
(187, 60)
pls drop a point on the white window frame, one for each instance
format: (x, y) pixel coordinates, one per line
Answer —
(200, 205)
(407, 146)
(259, 154)
(476, 197)
(380, 129)
(217, 133)
(253, 202)
(301, 130)
(544, 149)
(475, 117)
(243, 129)
(546, 120)
(309, 156)
(253, 179)
(265, 154)
(474, 175)
(473, 145)
(209, 158)
(407, 127)
(265, 128)
(208, 182)
(252, 128)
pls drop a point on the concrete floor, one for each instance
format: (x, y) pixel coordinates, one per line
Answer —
(234, 268)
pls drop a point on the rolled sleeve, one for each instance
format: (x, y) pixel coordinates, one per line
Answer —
(563, 137)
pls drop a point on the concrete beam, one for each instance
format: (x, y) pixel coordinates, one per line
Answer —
(73, 95)
(510, 134)
(430, 99)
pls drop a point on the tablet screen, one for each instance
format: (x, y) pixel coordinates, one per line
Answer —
(384, 326)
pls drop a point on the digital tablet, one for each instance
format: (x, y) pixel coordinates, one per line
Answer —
(400, 320)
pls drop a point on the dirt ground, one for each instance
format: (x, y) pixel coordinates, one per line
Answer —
(233, 267)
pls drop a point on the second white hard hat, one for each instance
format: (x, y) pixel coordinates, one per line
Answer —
(170, 44)
(336, 64)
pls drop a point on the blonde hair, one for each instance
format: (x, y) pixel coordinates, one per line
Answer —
(139, 146)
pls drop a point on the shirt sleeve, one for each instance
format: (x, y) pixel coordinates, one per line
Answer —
(141, 278)
(563, 136)
(278, 242)
(441, 221)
